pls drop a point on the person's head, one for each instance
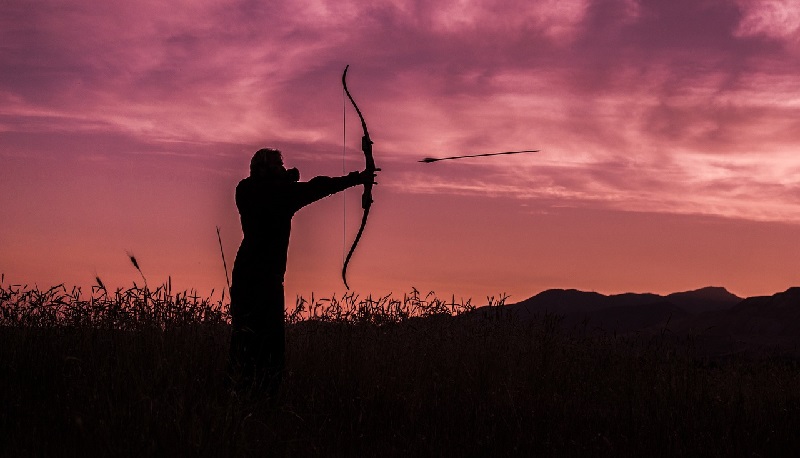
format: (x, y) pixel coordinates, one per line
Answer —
(267, 162)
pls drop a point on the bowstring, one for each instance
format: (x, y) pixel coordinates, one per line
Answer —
(344, 193)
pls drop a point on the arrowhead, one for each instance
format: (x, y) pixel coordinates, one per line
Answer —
(428, 160)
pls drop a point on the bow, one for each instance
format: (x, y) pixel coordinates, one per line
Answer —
(366, 196)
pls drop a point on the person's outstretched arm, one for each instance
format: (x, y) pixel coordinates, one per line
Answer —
(323, 186)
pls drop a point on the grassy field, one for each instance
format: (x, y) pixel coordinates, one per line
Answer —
(142, 372)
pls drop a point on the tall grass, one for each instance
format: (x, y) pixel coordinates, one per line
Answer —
(142, 372)
(124, 308)
(141, 307)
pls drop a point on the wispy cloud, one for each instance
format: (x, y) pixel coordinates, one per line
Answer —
(679, 106)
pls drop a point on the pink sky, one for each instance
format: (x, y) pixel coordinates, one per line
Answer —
(669, 133)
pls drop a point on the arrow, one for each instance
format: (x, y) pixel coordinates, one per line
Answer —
(428, 160)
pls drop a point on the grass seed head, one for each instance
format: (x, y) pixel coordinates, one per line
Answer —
(133, 261)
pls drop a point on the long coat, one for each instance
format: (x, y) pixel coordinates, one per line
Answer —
(266, 207)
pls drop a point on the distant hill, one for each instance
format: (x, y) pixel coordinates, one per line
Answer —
(712, 313)
(720, 323)
(774, 316)
(707, 299)
(621, 312)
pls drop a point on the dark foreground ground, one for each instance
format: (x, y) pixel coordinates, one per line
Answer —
(433, 387)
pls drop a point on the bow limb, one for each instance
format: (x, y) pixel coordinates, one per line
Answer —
(366, 196)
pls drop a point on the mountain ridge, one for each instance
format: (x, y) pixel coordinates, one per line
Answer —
(709, 310)
(573, 301)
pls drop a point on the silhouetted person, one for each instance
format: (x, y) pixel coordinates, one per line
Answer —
(267, 200)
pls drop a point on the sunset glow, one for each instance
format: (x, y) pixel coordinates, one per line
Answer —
(669, 135)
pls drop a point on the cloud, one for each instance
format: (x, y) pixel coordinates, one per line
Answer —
(674, 106)
(777, 19)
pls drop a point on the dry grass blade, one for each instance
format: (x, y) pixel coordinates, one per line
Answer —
(224, 264)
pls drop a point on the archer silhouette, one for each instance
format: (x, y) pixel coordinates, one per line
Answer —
(267, 200)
